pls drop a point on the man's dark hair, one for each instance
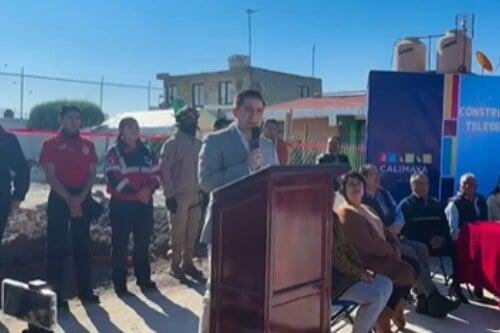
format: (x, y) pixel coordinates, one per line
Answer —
(65, 109)
(221, 123)
(345, 178)
(242, 95)
(272, 122)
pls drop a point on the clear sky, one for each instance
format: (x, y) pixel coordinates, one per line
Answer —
(133, 40)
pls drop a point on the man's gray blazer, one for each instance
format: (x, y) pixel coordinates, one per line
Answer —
(223, 159)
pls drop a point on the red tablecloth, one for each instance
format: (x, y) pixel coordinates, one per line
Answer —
(478, 247)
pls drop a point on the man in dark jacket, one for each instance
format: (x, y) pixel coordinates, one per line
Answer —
(467, 206)
(333, 155)
(14, 170)
(425, 222)
(430, 301)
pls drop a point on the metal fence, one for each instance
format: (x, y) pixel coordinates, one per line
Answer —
(20, 91)
(306, 152)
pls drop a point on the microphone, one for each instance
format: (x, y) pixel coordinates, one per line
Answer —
(254, 142)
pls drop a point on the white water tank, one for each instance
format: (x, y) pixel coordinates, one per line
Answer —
(454, 52)
(410, 55)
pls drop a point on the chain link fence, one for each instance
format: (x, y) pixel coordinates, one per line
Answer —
(306, 152)
(20, 91)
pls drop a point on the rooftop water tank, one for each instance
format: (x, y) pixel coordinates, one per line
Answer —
(410, 55)
(238, 61)
(454, 52)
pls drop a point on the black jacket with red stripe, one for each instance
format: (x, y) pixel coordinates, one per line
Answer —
(129, 170)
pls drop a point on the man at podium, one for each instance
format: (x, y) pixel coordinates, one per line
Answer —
(229, 155)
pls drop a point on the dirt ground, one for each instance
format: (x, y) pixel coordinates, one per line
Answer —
(176, 308)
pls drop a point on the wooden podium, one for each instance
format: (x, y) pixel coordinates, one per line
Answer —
(271, 251)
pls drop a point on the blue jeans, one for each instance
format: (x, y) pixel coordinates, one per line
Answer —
(372, 298)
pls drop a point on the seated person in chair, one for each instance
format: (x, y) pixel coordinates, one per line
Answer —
(378, 249)
(425, 222)
(467, 206)
(352, 282)
(429, 301)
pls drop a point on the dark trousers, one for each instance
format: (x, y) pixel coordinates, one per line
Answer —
(5, 201)
(448, 250)
(399, 293)
(136, 218)
(58, 238)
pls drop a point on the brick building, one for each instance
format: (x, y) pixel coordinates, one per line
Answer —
(214, 91)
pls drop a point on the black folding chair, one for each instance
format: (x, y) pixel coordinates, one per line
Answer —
(341, 310)
(442, 269)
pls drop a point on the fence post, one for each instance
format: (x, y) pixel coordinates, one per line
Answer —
(288, 125)
(101, 91)
(22, 92)
(149, 95)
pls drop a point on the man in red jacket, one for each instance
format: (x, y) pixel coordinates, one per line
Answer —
(69, 162)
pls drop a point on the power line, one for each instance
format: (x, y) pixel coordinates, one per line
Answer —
(80, 81)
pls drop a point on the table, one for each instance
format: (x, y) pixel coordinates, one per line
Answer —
(478, 250)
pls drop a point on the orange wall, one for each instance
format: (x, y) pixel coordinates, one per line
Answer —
(313, 130)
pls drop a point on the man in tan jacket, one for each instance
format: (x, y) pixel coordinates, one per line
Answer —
(179, 168)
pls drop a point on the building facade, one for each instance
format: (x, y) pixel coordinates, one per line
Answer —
(214, 91)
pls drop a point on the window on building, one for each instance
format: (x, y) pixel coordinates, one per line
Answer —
(198, 93)
(226, 93)
(172, 93)
(303, 91)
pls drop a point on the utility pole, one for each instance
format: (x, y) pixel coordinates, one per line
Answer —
(313, 58)
(249, 13)
(22, 92)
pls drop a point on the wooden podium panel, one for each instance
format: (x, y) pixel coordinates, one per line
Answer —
(302, 225)
(271, 252)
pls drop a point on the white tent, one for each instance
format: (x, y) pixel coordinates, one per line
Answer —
(156, 122)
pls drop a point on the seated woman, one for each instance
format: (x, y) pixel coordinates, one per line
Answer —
(378, 248)
(352, 282)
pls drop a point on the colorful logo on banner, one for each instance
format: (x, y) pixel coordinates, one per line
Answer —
(404, 128)
(404, 163)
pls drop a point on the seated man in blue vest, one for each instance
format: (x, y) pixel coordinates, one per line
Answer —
(466, 207)
(425, 222)
(430, 301)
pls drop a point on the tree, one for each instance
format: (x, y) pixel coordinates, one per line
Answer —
(8, 114)
(45, 115)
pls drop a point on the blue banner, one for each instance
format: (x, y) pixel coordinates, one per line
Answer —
(404, 131)
(478, 133)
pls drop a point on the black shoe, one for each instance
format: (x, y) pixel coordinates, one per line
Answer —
(62, 304)
(448, 303)
(456, 291)
(176, 272)
(422, 306)
(193, 272)
(439, 306)
(147, 285)
(122, 291)
(480, 298)
(89, 298)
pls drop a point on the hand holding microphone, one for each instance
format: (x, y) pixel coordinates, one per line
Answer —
(255, 158)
